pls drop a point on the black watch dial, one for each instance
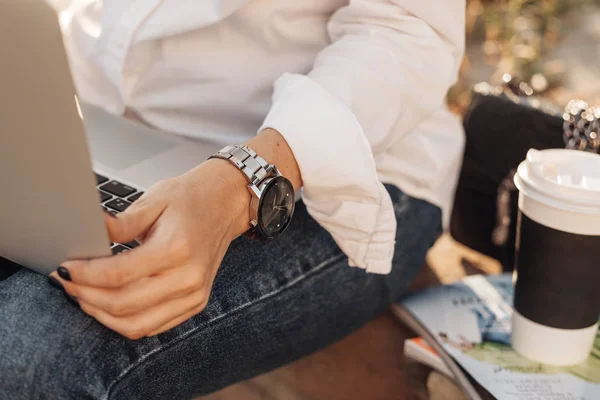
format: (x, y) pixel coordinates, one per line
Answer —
(276, 207)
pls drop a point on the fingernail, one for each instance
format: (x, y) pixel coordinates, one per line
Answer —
(55, 282)
(64, 273)
(72, 299)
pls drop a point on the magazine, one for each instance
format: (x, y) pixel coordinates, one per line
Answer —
(419, 350)
(470, 322)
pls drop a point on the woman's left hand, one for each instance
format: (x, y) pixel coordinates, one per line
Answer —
(185, 225)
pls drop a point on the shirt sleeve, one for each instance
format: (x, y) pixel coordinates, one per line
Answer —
(60, 5)
(388, 67)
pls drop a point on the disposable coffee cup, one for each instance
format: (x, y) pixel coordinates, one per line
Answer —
(557, 293)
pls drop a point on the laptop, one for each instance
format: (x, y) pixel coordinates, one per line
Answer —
(62, 163)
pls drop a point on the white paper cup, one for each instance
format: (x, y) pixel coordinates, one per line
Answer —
(557, 294)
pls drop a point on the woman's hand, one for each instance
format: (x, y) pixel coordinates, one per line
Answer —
(185, 225)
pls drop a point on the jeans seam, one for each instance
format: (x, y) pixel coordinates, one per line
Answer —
(191, 332)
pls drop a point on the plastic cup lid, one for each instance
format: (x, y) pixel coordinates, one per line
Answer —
(566, 179)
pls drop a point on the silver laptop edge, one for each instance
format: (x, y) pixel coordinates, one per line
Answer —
(49, 208)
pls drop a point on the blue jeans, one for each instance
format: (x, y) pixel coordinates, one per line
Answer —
(270, 305)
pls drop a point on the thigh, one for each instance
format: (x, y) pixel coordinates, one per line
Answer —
(270, 305)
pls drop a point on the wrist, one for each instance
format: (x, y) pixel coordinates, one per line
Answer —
(235, 195)
(230, 185)
(230, 188)
(271, 145)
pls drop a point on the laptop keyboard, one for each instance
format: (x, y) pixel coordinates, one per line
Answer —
(116, 197)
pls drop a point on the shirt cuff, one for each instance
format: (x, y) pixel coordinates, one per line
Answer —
(341, 189)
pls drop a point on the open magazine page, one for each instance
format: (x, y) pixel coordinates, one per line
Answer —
(458, 375)
(471, 321)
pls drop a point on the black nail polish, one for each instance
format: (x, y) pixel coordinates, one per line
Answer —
(72, 299)
(64, 273)
(55, 282)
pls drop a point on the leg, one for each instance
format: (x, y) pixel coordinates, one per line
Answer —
(270, 306)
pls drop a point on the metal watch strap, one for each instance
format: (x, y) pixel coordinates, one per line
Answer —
(256, 170)
(254, 167)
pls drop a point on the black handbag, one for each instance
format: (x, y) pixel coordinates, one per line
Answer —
(501, 124)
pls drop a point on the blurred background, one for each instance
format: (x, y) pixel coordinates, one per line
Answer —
(551, 44)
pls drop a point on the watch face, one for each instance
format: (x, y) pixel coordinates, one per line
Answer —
(276, 207)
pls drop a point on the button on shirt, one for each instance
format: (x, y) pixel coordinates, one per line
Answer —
(356, 88)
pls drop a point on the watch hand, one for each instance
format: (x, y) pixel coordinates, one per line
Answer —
(276, 199)
(268, 221)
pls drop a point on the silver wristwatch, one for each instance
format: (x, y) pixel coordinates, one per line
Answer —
(272, 204)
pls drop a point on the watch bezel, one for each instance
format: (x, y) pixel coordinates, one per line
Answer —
(265, 187)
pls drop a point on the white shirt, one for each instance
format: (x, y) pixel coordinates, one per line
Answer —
(357, 90)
